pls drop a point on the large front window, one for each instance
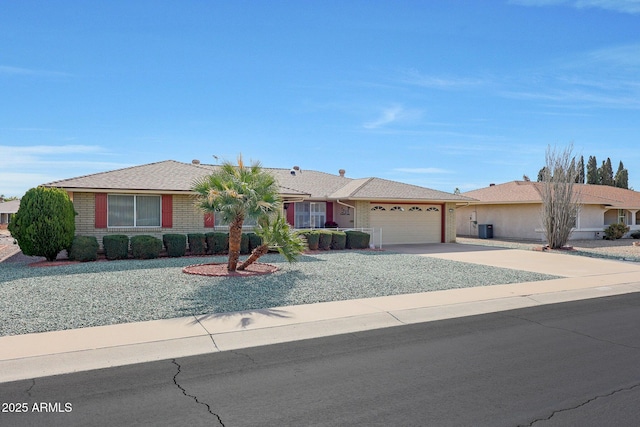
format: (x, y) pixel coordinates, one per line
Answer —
(133, 211)
(310, 214)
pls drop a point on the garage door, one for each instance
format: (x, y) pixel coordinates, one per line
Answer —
(407, 223)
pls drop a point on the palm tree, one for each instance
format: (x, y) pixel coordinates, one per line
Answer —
(276, 234)
(237, 192)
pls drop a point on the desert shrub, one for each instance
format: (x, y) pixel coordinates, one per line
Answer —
(196, 243)
(615, 231)
(145, 247)
(338, 240)
(45, 222)
(176, 244)
(244, 244)
(116, 246)
(635, 235)
(312, 237)
(84, 248)
(324, 240)
(357, 239)
(254, 241)
(217, 243)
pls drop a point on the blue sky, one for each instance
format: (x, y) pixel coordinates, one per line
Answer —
(442, 94)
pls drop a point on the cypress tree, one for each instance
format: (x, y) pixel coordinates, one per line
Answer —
(580, 171)
(621, 179)
(592, 170)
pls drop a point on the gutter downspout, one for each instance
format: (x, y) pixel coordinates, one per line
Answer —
(354, 211)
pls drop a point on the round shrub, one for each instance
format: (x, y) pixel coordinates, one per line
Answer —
(244, 244)
(196, 243)
(312, 237)
(254, 241)
(45, 222)
(116, 246)
(217, 243)
(84, 248)
(338, 240)
(324, 240)
(145, 247)
(176, 244)
(357, 239)
(615, 231)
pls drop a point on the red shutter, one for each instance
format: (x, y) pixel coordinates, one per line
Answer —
(101, 210)
(208, 220)
(167, 211)
(291, 214)
(329, 211)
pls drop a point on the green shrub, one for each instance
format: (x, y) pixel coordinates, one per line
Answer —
(145, 247)
(196, 243)
(312, 237)
(84, 248)
(244, 244)
(615, 231)
(45, 222)
(338, 240)
(254, 241)
(357, 240)
(635, 235)
(116, 246)
(324, 241)
(176, 244)
(217, 243)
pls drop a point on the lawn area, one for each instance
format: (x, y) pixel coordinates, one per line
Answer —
(102, 293)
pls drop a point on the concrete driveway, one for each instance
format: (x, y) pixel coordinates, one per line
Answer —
(555, 262)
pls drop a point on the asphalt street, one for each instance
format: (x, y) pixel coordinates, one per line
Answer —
(555, 365)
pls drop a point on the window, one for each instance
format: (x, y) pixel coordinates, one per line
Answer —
(133, 211)
(622, 217)
(432, 209)
(415, 209)
(310, 214)
(397, 208)
(378, 208)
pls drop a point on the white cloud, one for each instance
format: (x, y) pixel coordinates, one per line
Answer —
(389, 115)
(415, 78)
(19, 71)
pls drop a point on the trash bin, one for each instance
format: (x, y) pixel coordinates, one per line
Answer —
(485, 231)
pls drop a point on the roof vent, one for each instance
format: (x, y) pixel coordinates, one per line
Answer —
(492, 185)
(195, 161)
(295, 169)
(342, 172)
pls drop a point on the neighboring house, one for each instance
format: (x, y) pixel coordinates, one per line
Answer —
(514, 210)
(7, 209)
(157, 199)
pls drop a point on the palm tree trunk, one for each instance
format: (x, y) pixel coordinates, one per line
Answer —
(235, 237)
(255, 254)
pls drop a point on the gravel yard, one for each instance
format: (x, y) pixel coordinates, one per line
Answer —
(42, 299)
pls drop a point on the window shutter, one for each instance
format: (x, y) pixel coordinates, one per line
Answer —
(101, 210)
(167, 211)
(329, 212)
(291, 214)
(208, 220)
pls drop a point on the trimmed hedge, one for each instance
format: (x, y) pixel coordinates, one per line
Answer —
(338, 240)
(324, 241)
(244, 244)
(312, 237)
(145, 247)
(84, 248)
(176, 244)
(116, 246)
(196, 243)
(217, 243)
(357, 240)
(254, 241)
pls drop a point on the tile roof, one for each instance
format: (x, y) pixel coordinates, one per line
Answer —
(516, 192)
(173, 176)
(9, 207)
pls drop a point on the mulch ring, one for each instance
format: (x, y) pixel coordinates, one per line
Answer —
(220, 269)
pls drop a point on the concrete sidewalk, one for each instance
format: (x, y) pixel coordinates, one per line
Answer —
(51, 353)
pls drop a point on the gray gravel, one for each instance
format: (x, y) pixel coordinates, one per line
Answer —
(103, 293)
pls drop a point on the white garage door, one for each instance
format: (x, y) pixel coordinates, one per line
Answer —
(407, 223)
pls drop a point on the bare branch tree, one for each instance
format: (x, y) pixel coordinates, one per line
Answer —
(560, 197)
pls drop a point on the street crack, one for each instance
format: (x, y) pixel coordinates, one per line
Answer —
(33, 383)
(184, 391)
(586, 402)
(573, 331)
